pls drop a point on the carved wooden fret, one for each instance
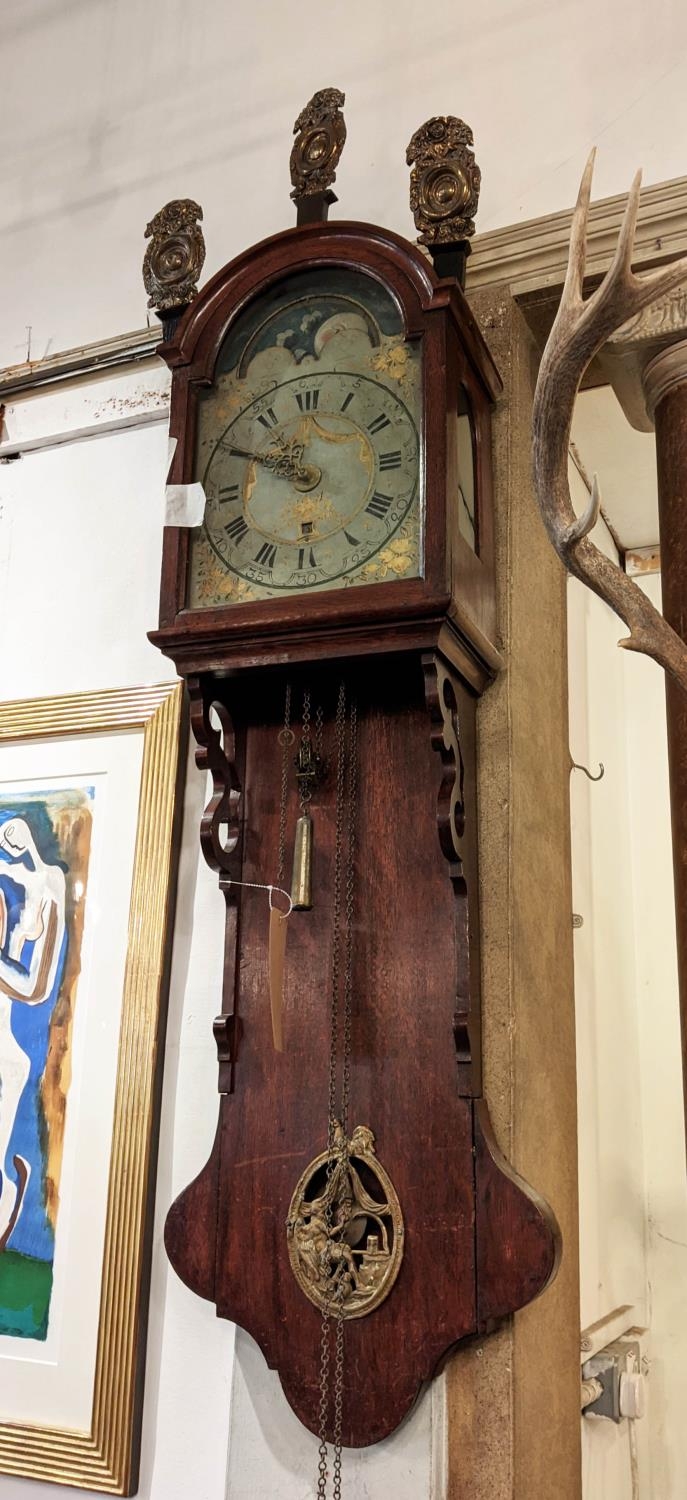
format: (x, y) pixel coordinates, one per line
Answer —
(452, 716)
(219, 749)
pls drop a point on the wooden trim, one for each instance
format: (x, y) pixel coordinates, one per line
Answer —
(87, 359)
(534, 253)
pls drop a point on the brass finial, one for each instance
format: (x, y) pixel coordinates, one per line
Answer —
(320, 132)
(444, 184)
(174, 258)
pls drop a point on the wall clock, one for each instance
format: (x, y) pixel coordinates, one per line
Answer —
(334, 618)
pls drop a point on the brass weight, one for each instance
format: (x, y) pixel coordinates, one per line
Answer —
(301, 880)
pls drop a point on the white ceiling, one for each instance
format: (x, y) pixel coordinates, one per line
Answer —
(625, 462)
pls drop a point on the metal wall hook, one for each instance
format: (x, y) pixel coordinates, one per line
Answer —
(574, 767)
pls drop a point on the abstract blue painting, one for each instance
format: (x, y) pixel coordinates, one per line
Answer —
(45, 841)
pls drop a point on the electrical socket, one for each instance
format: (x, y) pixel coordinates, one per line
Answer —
(618, 1370)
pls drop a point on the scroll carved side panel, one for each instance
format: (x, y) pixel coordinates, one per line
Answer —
(221, 752)
(452, 728)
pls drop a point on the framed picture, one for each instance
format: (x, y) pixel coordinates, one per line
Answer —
(88, 801)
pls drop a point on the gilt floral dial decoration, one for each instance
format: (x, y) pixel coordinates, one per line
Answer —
(309, 446)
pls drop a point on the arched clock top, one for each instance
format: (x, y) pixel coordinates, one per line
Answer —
(378, 253)
(396, 264)
(329, 456)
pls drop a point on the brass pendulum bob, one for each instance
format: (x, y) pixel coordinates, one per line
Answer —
(301, 880)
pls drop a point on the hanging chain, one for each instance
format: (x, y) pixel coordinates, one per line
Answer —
(319, 733)
(350, 895)
(309, 763)
(346, 1067)
(338, 1401)
(286, 738)
(340, 736)
(305, 753)
(340, 740)
(337, 1130)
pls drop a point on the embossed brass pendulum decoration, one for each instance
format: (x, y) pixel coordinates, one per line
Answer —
(358, 1262)
(309, 772)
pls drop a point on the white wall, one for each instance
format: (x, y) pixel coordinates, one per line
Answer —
(633, 1187)
(611, 1152)
(659, 1040)
(109, 108)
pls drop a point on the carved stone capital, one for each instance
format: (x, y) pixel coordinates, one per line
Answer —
(664, 371)
(444, 182)
(648, 343)
(661, 320)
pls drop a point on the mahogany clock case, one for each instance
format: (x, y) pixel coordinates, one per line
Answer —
(457, 585)
(415, 653)
(478, 1242)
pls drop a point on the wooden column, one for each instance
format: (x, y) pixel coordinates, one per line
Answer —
(513, 1427)
(665, 389)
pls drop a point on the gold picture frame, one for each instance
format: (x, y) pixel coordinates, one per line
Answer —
(105, 1457)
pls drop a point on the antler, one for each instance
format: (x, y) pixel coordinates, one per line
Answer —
(581, 328)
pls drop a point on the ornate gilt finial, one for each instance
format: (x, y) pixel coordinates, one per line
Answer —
(320, 132)
(174, 258)
(444, 183)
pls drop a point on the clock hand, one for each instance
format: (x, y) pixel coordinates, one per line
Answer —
(282, 463)
(258, 458)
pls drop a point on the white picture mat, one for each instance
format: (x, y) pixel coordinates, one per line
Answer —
(51, 1382)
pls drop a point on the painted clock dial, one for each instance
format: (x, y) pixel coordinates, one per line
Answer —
(309, 446)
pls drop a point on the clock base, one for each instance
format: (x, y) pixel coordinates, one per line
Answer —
(478, 1243)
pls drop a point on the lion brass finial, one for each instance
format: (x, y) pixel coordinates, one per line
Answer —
(174, 258)
(320, 132)
(444, 182)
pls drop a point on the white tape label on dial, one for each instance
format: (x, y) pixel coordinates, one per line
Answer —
(184, 503)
